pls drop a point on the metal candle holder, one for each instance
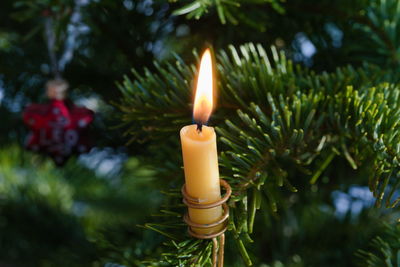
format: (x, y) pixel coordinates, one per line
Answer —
(194, 203)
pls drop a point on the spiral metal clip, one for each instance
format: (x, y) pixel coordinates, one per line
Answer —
(218, 250)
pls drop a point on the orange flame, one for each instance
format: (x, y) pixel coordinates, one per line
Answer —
(203, 100)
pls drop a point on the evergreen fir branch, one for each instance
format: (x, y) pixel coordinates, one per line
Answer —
(287, 121)
(146, 96)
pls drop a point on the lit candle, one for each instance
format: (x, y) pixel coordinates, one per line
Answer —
(199, 150)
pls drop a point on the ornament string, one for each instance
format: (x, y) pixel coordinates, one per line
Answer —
(51, 44)
(75, 27)
(218, 238)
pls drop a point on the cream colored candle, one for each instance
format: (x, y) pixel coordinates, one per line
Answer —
(199, 150)
(200, 161)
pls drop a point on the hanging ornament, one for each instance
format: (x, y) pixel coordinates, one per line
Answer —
(58, 128)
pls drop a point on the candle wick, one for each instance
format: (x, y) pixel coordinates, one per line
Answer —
(199, 127)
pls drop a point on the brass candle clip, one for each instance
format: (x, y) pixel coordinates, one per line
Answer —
(194, 204)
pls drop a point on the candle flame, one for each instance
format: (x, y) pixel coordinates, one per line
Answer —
(203, 100)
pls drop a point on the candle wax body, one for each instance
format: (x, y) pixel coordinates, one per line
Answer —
(200, 160)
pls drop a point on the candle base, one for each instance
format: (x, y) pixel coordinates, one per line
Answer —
(220, 225)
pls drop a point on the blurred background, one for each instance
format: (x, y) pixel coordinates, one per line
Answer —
(89, 212)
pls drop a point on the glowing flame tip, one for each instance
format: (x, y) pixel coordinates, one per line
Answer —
(203, 101)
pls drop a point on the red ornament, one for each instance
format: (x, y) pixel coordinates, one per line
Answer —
(58, 129)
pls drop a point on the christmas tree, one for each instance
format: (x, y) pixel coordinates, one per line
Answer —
(307, 125)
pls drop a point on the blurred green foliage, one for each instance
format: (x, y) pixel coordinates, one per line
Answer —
(71, 216)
